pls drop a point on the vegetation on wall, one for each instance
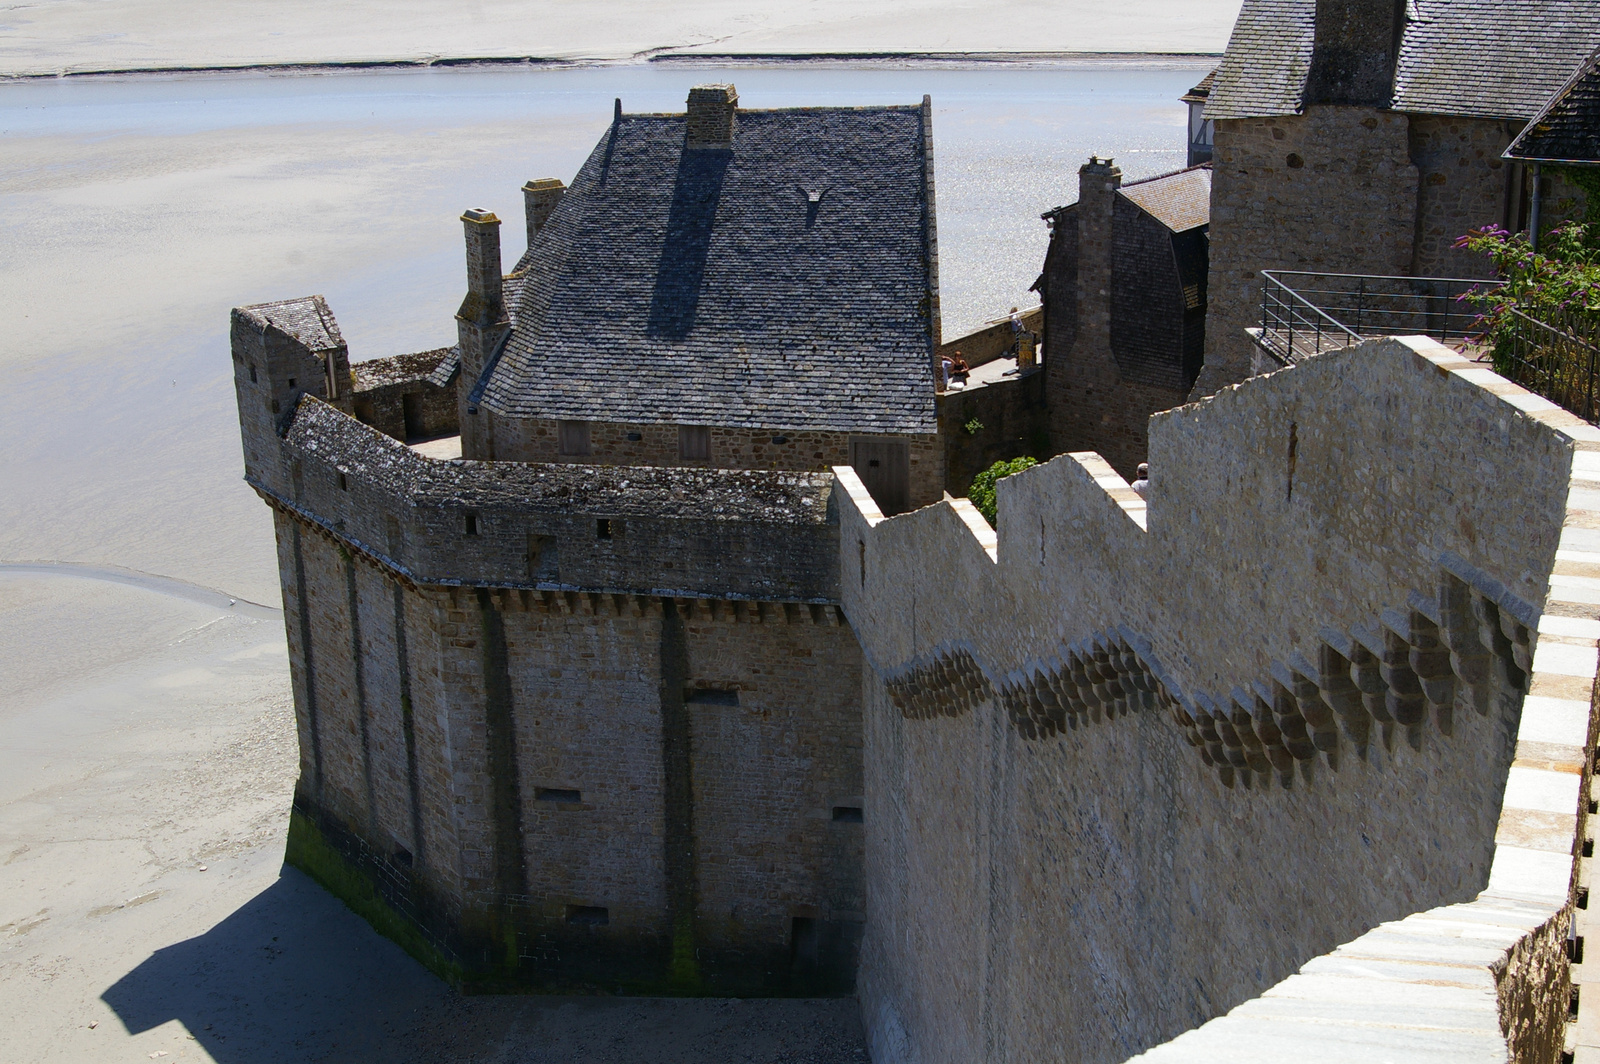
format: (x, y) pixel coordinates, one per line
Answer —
(982, 490)
(1563, 276)
(1542, 324)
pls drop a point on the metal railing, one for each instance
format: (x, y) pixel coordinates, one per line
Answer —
(1557, 357)
(1305, 314)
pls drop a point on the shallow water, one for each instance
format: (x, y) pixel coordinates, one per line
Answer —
(134, 212)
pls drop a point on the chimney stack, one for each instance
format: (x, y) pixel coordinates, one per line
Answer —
(1353, 52)
(712, 113)
(485, 302)
(1098, 182)
(539, 198)
(481, 323)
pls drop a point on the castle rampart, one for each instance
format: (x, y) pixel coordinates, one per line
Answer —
(1130, 766)
(571, 727)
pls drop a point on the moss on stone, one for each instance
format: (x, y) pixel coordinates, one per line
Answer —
(312, 854)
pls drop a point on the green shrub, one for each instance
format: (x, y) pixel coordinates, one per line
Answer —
(982, 490)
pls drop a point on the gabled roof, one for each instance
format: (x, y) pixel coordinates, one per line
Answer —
(789, 282)
(1179, 201)
(1568, 129)
(1474, 58)
(307, 319)
(1200, 92)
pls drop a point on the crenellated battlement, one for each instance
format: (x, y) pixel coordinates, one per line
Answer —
(1343, 643)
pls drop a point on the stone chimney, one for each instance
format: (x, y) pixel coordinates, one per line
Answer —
(485, 302)
(713, 111)
(539, 198)
(1098, 182)
(481, 322)
(1353, 52)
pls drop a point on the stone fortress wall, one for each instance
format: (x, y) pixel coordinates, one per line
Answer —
(568, 727)
(1350, 189)
(1129, 767)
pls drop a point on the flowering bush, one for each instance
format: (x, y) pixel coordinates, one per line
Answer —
(1564, 276)
(1558, 285)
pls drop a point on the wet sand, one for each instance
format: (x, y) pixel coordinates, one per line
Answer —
(84, 35)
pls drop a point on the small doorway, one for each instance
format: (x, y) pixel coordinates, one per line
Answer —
(884, 467)
(416, 424)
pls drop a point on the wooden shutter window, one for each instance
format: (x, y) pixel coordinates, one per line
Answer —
(573, 438)
(694, 442)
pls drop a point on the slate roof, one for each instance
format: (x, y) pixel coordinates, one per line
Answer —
(1200, 92)
(1179, 201)
(307, 319)
(397, 369)
(1475, 58)
(1264, 70)
(1568, 129)
(788, 283)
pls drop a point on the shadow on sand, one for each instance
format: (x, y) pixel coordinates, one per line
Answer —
(295, 976)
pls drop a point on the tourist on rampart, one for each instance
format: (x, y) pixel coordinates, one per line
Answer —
(1142, 484)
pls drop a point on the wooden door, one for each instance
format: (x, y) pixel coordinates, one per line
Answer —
(884, 466)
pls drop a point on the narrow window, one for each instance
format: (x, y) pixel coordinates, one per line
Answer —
(694, 442)
(472, 524)
(252, 373)
(1294, 451)
(588, 915)
(291, 382)
(602, 528)
(847, 814)
(344, 482)
(557, 794)
(861, 545)
(572, 438)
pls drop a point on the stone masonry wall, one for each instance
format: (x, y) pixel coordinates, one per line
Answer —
(395, 396)
(471, 642)
(1130, 765)
(1333, 190)
(399, 750)
(1352, 190)
(1105, 354)
(731, 448)
(1012, 420)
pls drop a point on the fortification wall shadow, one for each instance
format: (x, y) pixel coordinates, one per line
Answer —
(292, 975)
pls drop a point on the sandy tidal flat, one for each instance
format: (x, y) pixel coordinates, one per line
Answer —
(89, 35)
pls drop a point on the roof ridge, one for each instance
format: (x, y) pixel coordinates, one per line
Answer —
(1160, 177)
(785, 110)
